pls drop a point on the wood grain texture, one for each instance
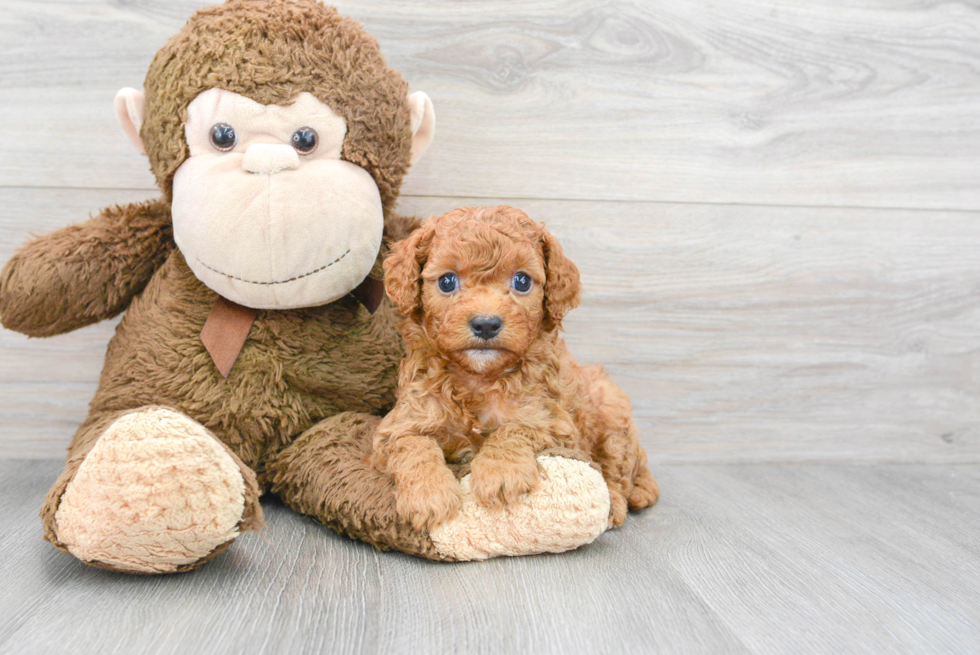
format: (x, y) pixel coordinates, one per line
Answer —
(740, 333)
(734, 559)
(673, 148)
(822, 102)
(845, 559)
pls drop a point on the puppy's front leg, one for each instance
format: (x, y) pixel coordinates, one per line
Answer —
(427, 493)
(506, 468)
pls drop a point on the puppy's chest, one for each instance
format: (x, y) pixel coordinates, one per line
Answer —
(479, 420)
(490, 415)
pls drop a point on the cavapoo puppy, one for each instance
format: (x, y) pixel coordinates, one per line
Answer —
(487, 379)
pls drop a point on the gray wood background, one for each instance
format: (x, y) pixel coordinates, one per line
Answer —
(775, 206)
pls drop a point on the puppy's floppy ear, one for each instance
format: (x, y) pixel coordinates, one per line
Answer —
(403, 269)
(563, 288)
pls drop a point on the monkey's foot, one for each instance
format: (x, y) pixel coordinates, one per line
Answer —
(569, 509)
(155, 494)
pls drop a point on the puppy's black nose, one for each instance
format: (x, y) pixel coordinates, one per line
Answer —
(486, 327)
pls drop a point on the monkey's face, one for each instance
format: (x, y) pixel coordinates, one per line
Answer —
(265, 211)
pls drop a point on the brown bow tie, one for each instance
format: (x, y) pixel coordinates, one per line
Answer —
(227, 326)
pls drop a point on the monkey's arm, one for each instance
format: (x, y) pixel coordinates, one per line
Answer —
(84, 273)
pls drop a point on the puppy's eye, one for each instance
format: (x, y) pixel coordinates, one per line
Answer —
(223, 137)
(521, 282)
(448, 283)
(305, 140)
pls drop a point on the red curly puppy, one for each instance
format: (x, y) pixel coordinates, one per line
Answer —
(486, 376)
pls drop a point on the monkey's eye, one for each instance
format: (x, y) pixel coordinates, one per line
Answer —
(304, 140)
(521, 282)
(223, 137)
(448, 282)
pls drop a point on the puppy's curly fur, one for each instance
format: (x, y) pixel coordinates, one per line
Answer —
(487, 379)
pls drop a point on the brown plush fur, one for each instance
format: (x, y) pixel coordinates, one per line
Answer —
(64, 280)
(297, 367)
(526, 396)
(271, 52)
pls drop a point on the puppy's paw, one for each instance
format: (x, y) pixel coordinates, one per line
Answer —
(645, 491)
(500, 480)
(617, 508)
(429, 500)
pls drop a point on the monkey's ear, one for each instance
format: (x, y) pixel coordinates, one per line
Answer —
(403, 269)
(129, 110)
(562, 287)
(423, 123)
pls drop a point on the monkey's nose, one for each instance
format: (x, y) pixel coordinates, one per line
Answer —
(486, 327)
(269, 158)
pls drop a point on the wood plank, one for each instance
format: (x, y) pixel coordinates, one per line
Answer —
(741, 333)
(768, 102)
(734, 559)
(829, 558)
(615, 596)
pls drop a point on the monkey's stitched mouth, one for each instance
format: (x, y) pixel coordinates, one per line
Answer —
(292, 279)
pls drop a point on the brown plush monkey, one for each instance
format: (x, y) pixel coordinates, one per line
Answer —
(251, 357)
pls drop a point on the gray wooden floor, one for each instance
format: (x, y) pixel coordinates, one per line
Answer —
(775, 207)
(734, 559)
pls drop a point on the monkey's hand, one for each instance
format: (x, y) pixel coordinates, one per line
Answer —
(84, 273)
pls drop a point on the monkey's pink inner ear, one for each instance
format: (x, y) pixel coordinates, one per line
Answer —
(129, 110)
(423, 123)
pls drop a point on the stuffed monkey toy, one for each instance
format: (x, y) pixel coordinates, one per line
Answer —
(256, 352)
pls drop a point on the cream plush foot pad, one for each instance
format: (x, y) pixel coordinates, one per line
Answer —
(155, 492)
(568, 510)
